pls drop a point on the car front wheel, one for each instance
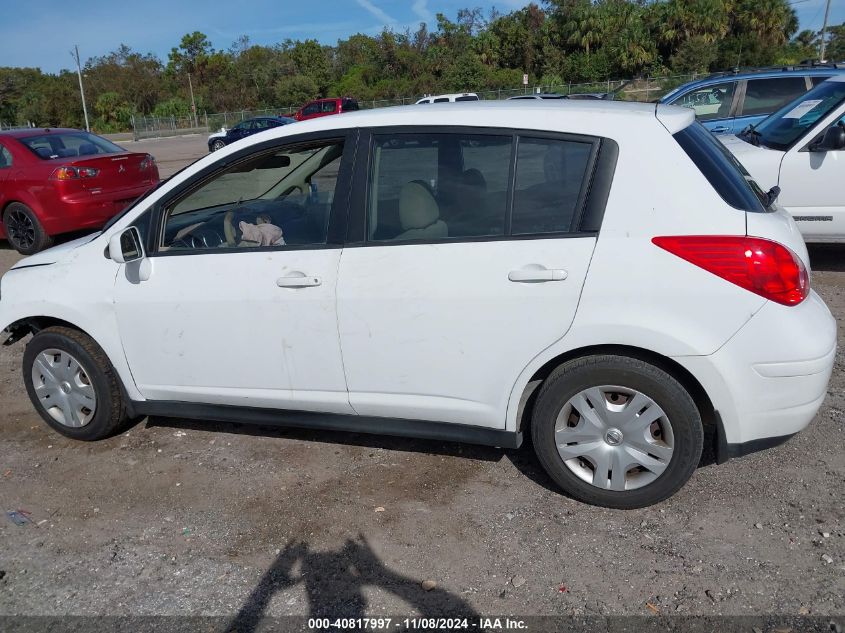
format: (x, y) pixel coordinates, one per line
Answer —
(218, 144)
(616, 431)
(72, 384)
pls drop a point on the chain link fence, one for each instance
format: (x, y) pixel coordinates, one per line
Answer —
(644, 89)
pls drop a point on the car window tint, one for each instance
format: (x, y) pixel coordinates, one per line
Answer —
(350, 105)
(467, 98)
(442, 100)
(725, 174)
(818, 79)
(313, 108)
(270, 199)
(763, 96)
(712, 102)
(329, 106)
(549, 178)
(5, 157)
(438, 186)
(260, 124)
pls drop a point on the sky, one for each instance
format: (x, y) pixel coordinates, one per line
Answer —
(41, 33)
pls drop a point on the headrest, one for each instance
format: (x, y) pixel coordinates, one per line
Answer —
(86, 149)
(417, 206)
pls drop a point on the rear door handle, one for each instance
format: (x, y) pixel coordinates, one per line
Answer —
(297, 280)
(719, 129)
(537, 275)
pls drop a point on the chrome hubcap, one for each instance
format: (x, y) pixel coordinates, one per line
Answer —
(614, 438)
(63, 388)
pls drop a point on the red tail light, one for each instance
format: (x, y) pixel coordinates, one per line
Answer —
(147, 163)
(761, 266)
(72, 173)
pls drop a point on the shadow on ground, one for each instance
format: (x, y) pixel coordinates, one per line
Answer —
(827, 257)
(334, 582)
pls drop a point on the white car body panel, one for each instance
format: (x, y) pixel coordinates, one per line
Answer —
(810, 182)
(437, 332)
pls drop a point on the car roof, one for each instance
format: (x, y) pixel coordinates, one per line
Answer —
(38, 131)
(718, 78)
(589, 116)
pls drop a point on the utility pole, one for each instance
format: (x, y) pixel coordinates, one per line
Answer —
(824, 31)
(193, 103)
(75, 54)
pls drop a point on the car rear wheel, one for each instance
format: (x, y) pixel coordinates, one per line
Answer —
(218, 144)
(72, 384)
(23, 230)
(616, 431)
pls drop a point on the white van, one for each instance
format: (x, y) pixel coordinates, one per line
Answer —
(450, 98)
(801, 149)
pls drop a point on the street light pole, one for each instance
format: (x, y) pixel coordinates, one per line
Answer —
(193, 103)
(824, 32)
(75, 54)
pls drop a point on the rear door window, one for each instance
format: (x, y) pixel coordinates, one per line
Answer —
(712, 102)
(724, 173)
(549, 178)
(764, 96)
(329, 106)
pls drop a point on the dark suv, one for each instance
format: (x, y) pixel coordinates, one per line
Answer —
(726, 103)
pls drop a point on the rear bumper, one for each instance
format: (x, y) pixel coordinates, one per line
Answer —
(90, 211)
(769, 381)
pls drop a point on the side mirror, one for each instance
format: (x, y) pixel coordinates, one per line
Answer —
(126, 247)
(833, 140)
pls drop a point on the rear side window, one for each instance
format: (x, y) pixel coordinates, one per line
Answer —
(549, 178)
(730, 179)
(764, 96)
(350, 105)
(467, 98)
(329, 106)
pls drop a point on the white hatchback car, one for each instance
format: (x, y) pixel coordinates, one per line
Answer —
(382, 272)
(801, 149)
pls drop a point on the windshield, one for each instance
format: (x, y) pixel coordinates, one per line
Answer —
(789, 124)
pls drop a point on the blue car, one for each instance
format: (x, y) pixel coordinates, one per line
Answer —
(726, 103)
(246, 128)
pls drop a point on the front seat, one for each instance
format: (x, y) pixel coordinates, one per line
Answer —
(419, 214)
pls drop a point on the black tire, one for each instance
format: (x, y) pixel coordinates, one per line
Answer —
(109, 414)
(23, 230)
(217, 144)
(571, 378)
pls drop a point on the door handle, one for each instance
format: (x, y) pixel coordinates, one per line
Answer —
(719, 129)
(297, 280)
(537, 274)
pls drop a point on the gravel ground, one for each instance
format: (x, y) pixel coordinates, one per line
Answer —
(181, 518)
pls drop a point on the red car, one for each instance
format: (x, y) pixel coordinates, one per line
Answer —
(55, 181)
(325, 107)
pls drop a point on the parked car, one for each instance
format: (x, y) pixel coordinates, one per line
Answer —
(537, 96)
(502, 274)
(246, 128)
(450, 98)
(801, 149)
(726, 103)
(55, 180)
(219, 134)
(326, 107)
(574, 96)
